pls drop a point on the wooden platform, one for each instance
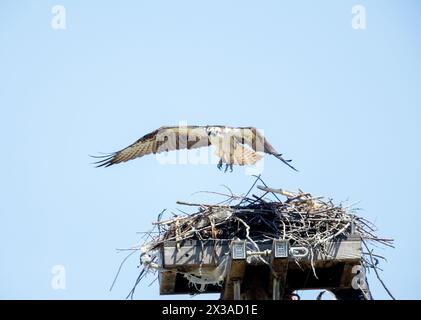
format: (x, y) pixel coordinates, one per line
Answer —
(246, 278)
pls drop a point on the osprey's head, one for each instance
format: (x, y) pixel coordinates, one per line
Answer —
(213, 131)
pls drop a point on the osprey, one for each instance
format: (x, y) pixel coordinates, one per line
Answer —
(233, 145)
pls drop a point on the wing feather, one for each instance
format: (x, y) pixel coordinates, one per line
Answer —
(163, 139)
(245, 156)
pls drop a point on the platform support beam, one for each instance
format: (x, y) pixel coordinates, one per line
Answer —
(279, 270)
(276, 289)
(237, 289)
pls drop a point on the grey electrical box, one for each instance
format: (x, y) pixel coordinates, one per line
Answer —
(280, 248)
(238, 250)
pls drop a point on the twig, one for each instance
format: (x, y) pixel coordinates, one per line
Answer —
(377, 274)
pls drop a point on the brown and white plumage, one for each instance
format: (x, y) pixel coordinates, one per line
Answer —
(234, 146)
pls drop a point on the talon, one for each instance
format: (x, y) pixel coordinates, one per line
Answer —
(219, 166)
(226, 167)
(231, 168)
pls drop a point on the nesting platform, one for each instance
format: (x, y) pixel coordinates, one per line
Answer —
(279, 269)
(259, 246)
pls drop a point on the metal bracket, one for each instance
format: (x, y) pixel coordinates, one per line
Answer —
(299, 252)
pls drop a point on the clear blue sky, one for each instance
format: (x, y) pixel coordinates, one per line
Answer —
(345, 104)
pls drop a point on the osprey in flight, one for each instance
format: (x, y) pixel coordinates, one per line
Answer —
(233, 146)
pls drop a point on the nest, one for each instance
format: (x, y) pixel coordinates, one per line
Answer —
(299, 217)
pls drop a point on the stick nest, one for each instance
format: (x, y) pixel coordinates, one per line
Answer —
(302, 219)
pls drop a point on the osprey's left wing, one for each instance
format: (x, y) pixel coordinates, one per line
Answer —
(254, 139)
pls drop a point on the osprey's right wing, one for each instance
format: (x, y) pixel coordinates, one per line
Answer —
(161, 140)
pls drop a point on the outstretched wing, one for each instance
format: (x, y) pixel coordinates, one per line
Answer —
(160, 140)
(253, 138)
